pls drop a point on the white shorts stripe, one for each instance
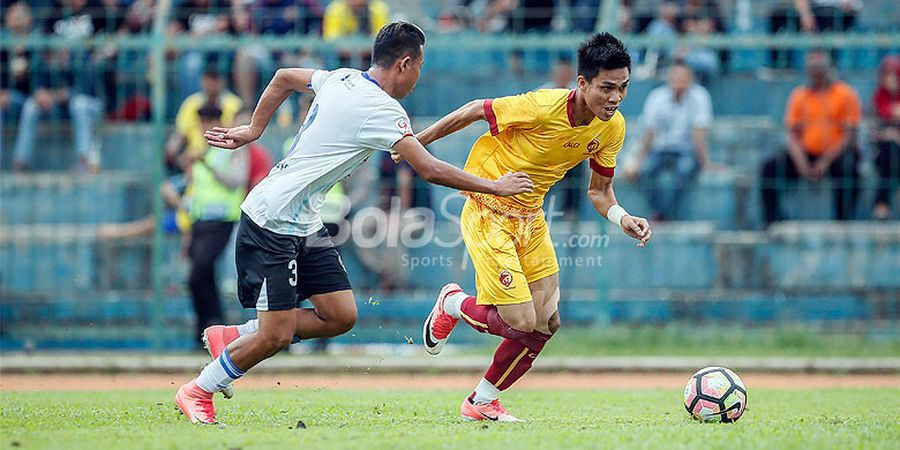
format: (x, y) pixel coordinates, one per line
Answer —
(262, 302)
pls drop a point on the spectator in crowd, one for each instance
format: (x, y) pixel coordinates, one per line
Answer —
(187, 121)
(664, 26)
(821, 119)
(63, 83)
(15, 63)
(354, 17)
(811, 16)
(218, 185)
(199, 19)
(562, 76)
(887, 134)
(676, 121)
(703, 60)
(518, 16)
(585, 14)
(287, 16)
(127, 72)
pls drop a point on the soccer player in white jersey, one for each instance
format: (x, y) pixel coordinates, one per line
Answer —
(283, 252)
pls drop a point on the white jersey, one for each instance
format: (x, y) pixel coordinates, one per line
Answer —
(350, 118)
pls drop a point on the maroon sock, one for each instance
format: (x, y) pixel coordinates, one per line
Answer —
(486, 319)
(514, 358)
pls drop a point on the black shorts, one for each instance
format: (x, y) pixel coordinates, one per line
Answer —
(278, 271)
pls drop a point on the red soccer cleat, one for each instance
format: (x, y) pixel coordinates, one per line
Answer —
(215, 339)
(439, 324)
(485, 411)
(196, 404)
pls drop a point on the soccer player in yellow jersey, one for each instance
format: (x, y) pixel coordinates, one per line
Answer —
(544, 134)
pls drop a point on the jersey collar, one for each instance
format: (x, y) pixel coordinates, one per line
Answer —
(366, 76)
(570, 108)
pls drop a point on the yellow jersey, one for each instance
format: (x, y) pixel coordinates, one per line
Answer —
(188, 123)
(340, 21)
(536, 133)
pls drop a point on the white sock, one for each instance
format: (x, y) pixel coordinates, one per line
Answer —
(218, 374)
(453, 303)
(485, 392)
(249, 327)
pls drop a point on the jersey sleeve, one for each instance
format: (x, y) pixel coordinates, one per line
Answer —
(385, 127)
(793, 110)
(650, 116)
(603, 160)
(518, 111)
(318, 78)
(852, 110)
(703, 115)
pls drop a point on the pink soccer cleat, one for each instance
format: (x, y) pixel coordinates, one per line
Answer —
(215, 339)
(485, 411)
(196, 404)
(439, 324)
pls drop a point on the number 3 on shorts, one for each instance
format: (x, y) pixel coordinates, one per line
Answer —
(292, 266)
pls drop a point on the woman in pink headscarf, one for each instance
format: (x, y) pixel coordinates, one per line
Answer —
(887, 134)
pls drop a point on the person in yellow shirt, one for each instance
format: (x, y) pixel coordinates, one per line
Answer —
(349, 17)
(543, 134)
(189, 130)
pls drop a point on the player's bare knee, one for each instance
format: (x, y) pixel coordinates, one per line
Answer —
(275, 342)
(554, 323)
(524, 323)
(344, 322)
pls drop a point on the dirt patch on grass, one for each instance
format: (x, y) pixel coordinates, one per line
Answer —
(107, 382)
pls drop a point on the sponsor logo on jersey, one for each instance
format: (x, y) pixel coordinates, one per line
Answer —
(505, 278)
(572, 145)
(403, 125)
(593, 145)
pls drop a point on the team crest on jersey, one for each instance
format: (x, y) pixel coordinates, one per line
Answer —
(403, 125)
(593, 145)
(505, 278)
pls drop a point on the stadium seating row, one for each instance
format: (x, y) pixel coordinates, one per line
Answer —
(810, 256)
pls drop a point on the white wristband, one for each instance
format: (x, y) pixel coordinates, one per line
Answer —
(615, 214)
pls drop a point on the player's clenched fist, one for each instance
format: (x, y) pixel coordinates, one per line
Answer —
(513, 183)
(638, 228)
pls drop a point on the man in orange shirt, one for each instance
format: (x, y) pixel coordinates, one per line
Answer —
(821, 121)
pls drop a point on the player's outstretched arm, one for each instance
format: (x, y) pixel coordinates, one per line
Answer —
(453, 122)
(604, 200)
(439, 172)
(285, 82)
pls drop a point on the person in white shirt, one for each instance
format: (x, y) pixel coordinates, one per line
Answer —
(283, 252)
(676, 121)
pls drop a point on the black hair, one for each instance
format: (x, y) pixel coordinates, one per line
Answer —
(210, 71)
(210, 111)
(396, 40)
(602, 51)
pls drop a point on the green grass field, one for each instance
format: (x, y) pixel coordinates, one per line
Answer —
(395, 419)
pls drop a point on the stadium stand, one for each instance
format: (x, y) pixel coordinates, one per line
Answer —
(57, 274)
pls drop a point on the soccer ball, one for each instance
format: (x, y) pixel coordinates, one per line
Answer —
(715, 394)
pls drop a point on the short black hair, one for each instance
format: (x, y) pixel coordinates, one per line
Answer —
(396, 40)
(602, 51)
(211, 71)
(210, 111)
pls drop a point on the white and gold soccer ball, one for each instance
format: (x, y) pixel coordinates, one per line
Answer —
(715, 394)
